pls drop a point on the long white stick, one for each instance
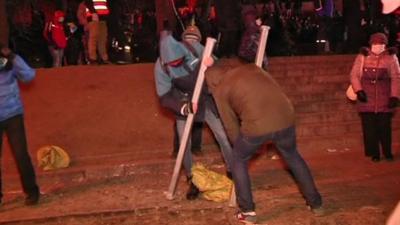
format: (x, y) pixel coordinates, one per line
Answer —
(258, 61)
(261, 45)
(189, 121)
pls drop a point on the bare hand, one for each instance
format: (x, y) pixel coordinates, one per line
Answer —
(208, 61)
(5, 51)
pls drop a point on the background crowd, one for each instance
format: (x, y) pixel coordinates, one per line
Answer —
(298, 27)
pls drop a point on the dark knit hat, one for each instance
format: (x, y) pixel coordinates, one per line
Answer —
(378, 38)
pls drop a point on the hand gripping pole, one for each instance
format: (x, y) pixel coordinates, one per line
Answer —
(189, 121)
(258, 61)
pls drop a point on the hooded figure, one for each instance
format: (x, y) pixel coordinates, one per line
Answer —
(176, 73)
(255, 110)
(251, 37)
(55, 33)
(375, 78)
(56, 38)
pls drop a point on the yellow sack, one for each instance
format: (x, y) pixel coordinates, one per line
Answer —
(52, 157)
(215, 187)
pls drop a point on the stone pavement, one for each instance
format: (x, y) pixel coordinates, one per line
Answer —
(356, 191)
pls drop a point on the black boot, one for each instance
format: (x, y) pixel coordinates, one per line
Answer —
(32, 199)
(193, 192)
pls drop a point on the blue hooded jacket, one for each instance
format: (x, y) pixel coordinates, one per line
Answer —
(175, 85)
(10, 100)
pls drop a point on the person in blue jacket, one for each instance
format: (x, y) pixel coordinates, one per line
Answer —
(13, 69)
(175, 77)
(191, 38)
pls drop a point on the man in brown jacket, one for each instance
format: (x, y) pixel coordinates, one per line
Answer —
(254, 110)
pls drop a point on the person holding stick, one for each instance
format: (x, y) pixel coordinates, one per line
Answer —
(191, 38)
(176, 73)
(255, 110)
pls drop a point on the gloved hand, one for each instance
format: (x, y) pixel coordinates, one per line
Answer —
(361, 96)
(393, 101)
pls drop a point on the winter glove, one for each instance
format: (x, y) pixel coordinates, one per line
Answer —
(187, 108)
(393, 101)
(361, 96)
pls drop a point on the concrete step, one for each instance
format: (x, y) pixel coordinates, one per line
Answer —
(314, 88)
(326, 117)
(304, 70)
(331, 117)
(327, 106)
(330, 143)
(312, 79)
(282, 64)
(296, 97)
(313, 60)
(338, 128)
(319, 130)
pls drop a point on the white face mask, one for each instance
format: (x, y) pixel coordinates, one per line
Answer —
(377, 48)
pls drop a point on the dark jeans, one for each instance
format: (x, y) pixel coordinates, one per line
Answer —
(197, 131)
(15, 131)
(285, 141)
(377, 130)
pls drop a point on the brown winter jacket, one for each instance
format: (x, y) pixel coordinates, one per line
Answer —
(249, 101)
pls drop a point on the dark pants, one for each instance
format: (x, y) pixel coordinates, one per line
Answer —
(377, 130)
(285, 141)
(74, 51)
(197, 131)
(15, 131)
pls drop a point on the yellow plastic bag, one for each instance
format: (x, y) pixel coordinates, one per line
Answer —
(52, 157)
(215, 187)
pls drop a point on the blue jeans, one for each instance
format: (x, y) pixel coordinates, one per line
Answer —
(285, 141)
(218, 130)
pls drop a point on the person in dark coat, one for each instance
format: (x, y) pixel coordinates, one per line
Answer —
(375, 79)
(255, 110)
(229, 26)
(250, 39)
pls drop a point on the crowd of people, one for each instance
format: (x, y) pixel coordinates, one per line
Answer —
(244, 106)
(84, 29)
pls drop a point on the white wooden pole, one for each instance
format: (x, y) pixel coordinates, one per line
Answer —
(258, 61)
(261, 45)
(189, 121)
